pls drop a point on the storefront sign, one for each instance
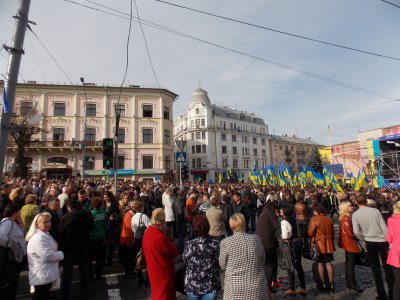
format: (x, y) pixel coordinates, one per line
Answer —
(124, 172)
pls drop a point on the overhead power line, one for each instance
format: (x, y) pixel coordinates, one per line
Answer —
(300, 71)
(398, 6)
(127, 52)
(49, 53)
(147, 47)
(280, 31)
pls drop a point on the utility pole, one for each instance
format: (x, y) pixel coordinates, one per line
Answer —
(83, 142)
(117, 117)
(16, 51)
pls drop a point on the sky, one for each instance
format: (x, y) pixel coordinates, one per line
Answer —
(92, 44)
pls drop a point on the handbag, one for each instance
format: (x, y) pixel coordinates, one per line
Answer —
(140, 260)
(285, 257)
(362, 257)
(311, 251)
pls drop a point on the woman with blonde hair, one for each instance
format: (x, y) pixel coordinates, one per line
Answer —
(242, 257)
(393, 237)
(17, 196)
(348, 242)
(43, 257)
(160, 253)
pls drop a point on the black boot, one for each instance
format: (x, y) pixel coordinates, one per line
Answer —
(331, 288)
(356, 288)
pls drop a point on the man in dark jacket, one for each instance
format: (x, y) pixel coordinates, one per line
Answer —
(240, 207)
(268, 229)
(4, 198)
(74, 238)
(227, 209)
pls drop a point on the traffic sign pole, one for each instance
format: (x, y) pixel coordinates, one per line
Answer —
(180, 176)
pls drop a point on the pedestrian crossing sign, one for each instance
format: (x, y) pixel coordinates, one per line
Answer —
(180, 157)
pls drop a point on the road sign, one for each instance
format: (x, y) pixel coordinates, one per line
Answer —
(180, 157)
(180, 144)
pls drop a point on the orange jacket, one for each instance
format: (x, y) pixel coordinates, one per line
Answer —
(321, 228)
(126, 237)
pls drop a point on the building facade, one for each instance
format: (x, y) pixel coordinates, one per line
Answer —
(291, 150)
(221, 139)
(377, 151)
(80, 116)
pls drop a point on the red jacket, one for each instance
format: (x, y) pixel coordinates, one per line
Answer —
(126, 237)
(160, 253)
(347, 239)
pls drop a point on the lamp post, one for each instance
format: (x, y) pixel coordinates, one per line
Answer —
(83, 142)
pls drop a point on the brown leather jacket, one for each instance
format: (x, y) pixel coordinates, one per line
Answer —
(347, 239)
(301, 211)
(321, 228)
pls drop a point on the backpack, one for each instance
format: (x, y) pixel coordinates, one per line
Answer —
(140, 231)
(9, 267)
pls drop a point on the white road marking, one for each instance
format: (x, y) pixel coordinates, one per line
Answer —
(113, 293)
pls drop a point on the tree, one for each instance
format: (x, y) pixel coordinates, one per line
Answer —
(21, 132)
(315, 160)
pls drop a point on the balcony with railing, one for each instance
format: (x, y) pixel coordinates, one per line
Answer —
(36, 144)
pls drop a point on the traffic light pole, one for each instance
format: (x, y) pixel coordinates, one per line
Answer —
(117, 116)
(16, 51)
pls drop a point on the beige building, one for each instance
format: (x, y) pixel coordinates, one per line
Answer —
(76, 115)
(291, 150)
(219, 138)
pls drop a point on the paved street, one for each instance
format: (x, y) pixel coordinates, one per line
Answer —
(115, 286)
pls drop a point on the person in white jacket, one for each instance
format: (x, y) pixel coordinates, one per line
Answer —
(43, 257)
(167, 202)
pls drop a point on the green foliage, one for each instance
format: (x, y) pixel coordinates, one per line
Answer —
(315, 160)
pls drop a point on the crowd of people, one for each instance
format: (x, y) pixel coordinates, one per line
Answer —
(248, 232)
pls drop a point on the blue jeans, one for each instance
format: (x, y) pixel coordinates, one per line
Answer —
(209, 296)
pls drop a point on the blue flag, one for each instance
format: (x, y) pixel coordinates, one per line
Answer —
(6, 108)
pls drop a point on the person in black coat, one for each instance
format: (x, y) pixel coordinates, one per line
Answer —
(240, 207)
(74, 239)
(268, 229)
(227, 210)
(4, 198)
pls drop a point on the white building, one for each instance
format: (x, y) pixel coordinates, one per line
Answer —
(219, 138)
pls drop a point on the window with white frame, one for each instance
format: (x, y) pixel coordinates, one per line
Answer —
(120, 109)
(59, 109)
(90, 109)
(121, 135)
(147, 136)
(167, 137)
(147, 111)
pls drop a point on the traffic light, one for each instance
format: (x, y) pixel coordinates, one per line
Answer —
(185, 174)
(108, 153)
